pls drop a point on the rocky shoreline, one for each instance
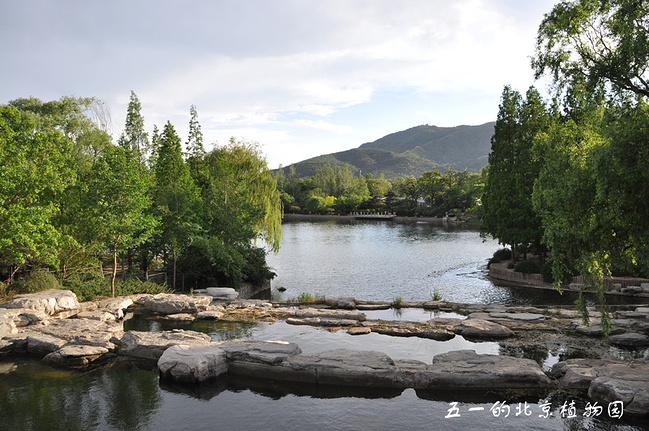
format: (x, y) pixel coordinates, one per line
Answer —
(54, 326)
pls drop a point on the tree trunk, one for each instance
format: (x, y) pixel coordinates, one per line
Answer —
(175, 257)
(114, 273)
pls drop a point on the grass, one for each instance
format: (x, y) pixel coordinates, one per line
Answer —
(398, 302)
(307, 298)
(436, 296)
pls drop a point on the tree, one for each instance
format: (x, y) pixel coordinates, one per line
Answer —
(34, 171)
(118, 192)
(240, 196)
(599, 42)
(508, 214)
(175, 196)
(134, 138)
(194, 145)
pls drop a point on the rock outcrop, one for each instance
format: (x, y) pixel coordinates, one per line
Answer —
(608, 380)
(53, 302)
(151, 345)
(165, 303)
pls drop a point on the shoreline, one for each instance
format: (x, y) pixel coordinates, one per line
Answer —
(397, 219)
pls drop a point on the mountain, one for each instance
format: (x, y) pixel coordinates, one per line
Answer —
(413, 152)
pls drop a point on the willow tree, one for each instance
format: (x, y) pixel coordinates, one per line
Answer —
(242, 201)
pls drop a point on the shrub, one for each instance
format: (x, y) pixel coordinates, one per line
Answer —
(87, 285)
(527, 267)
(546, 271)
(499, 256)
(398, 302)
(35, 281)
(307, 298)
(135, 285)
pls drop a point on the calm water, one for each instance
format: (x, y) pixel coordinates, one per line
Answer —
(374, 261)
(380, 261)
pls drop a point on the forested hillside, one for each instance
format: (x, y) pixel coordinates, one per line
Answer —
(412, 152)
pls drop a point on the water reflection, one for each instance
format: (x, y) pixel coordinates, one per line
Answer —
(35, 397)
(126, 397)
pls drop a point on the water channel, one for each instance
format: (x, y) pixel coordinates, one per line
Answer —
(366, 260)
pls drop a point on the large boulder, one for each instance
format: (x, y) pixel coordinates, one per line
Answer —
(222, 293)
(53, 302)
(80, 331)
(192, 363)
(165, 303)
(465, 369)
(608, 380)
(151, 345)
(265, 352)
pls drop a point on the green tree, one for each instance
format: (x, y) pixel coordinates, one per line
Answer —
(508, 213)
(240, 195)
(176, 198)
(119, 203)
(134, 138)
(194, 145)
(34, 172)
(599, 42)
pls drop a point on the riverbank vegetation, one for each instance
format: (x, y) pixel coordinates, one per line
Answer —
(77, 206)
(569, 175)
(338, 190)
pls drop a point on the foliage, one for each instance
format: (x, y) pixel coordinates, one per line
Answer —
(35, 281)
(508, 213)
(134, 138)
(34, 172)
(241, 200)
(599, 42)
(528, 267)
(307, 298)
(69, 198)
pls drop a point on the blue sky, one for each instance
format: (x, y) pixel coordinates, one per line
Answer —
(301, 77)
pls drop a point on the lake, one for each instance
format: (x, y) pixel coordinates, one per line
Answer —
(382, 260)
(367, 260)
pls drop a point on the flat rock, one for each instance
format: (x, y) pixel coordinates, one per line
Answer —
(525, 317)
(479, 328)
(320, 321)
(180, 317)
(79, 331)
(266, 352)
(303, 313)
(209, 315)
(439, 334)
(222, 293)
(465, 369)
(630, 339)
(42, 344)
(359, 330)
(345, 367)
(165, 303)
(53, 302)
(76, 355)
(151, 345)
(373, 306)
(346, 303)
(192, 363)
(103, 316)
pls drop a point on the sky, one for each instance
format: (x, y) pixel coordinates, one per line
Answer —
(300, 77)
